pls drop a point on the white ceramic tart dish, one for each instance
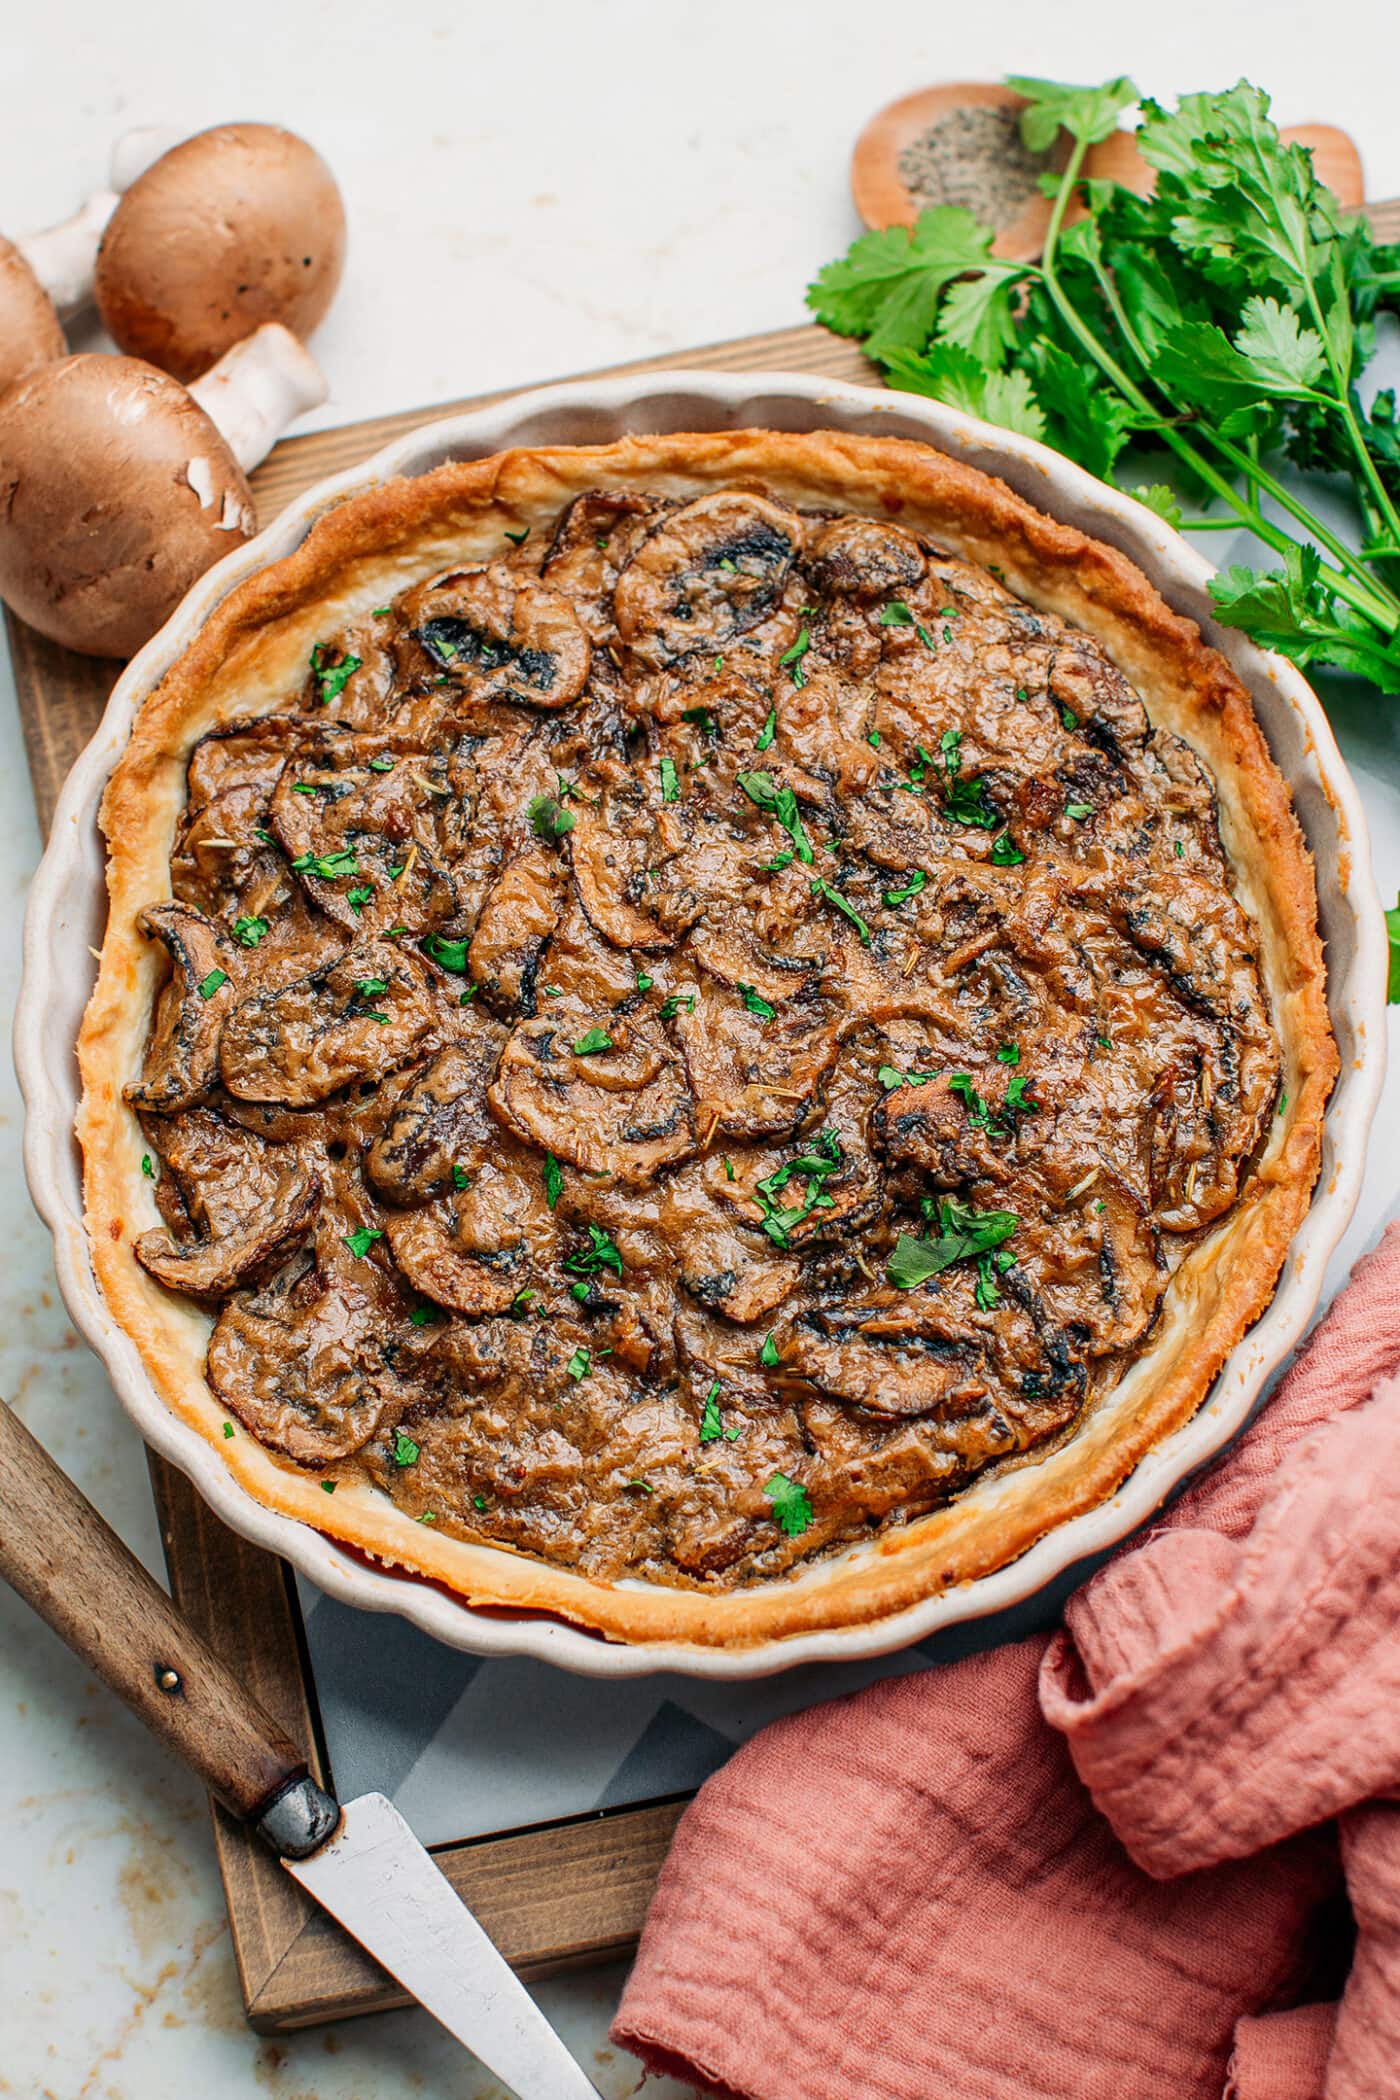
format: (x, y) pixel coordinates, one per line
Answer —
(238, 646)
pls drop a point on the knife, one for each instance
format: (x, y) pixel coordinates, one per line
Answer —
(359, 1859)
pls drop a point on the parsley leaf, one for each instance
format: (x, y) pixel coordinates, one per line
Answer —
(592, 1042)
(210, 984)
(602, 1252)
(327, 867)
(361, 1240)
(891, 1077)
(946, 372)
(963, 1234)
(768, 1354)
(249, 931)
(754, 1003)
(553, 1180)
(792, 1507)
(548, 817)
(1088, 113)
(911, 888)
(405, 1450)
(889, 285)
(791, 660)
(670, 786)
(711, 1423)
(821, 1160)
(779, 803)
(768, 731)
(821, 888)
(579, 1366)
(965, 801)
(331, 679)
(448, 955)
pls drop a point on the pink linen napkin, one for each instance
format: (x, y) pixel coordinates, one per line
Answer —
(1102, 1866)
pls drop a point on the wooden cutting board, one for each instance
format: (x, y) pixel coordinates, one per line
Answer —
(551, 1898)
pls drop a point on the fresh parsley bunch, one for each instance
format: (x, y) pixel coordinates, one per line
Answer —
(1226, 320)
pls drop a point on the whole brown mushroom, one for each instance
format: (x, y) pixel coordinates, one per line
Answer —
(118, 487)
(236, 226)
(30, 331)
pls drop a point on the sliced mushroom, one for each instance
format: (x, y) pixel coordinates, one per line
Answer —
(624, 1110)
(904, 1373)
(326, 1031)
(592, 539)
(439, 1122)
(211, 1268)
(357, 827)
(755, 1076)
(470, 1250)
(706, 573)
(609, 853)
(864, 559)
(307, 1364)
(725, 1275)
(518, 916)
(500, 635)
(182, 1056)
(247, 752)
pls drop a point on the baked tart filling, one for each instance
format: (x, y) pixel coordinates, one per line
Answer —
(691, 1035)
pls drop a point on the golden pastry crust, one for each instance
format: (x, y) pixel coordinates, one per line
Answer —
(252, 650)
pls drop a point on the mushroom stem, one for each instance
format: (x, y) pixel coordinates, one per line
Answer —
(137, 150)
(63, 257)
(257, 388)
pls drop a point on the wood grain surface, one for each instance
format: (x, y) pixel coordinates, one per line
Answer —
(552, 1898)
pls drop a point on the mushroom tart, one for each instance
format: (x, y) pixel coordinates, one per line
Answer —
(710, 1034)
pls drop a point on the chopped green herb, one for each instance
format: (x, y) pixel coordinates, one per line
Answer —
(843, 905)
(719, 663)
(644, 983)
(146, 1166)
(781, 804)
(518, 539)
(382, 764)
(897, 614)
(1105, 1042)
(768, 1353)
(874, 738)
(361, 1240)
(792, 1508)
(405, 1450)
(461, 1179)
(329, 1486)
(645, 1486)
(1005, 854)
(725, 563)
(548, 817)
(579, 1364)
(963, 1235)
(711, 1425)
(703, 719)
(912, 886)
(1079, 810)
(1282, 1104)
(890, 1078)
(965, 801)
(478, 1502)
(370, 987)
(823, 1158)
(424, 1315)
(553, 1180)
(266, 836)
(768, 731)
(327, 867)
(672, 1006)
(210, 984)
(779, 861)
(755, 1004)
(359, 897)
(331, 679)
(592, 1042)
(791, 659)
(249, 931)
(1179, 849)
(228, 1429)
(522, 1301)
(601, 1253)
(381, 612)
(670, 786)
(728, 1167)
(305, 787)
(448, 955)
(1009, 1054)
(429, 1516)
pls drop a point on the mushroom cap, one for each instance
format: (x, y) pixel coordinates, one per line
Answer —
(116, 492)
(30, 334)
(236, 226)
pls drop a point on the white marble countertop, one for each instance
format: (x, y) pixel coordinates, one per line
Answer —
(532, 189)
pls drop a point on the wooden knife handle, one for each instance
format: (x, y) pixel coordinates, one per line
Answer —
(68, 1563)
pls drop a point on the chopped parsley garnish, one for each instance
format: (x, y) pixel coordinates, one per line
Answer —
(832, 895)
(424, 1315)
(890, 1078)
(327, 867)
(1067, 715)
(306, 787)
(768, 731)
(146, 1166)
(792, 1507)
(703, 719)
(754, 1003)
(361, 1240)
(329, 1486)
(1178, 848)
(779, 803)
(522, 1301)
(1009, 1054)
(791, 659)
(461, 1179)
(897, 614)
(768, 1354)
(360, 896)
(405, 1450)
(719, 663)
(266, 836)
(518, 539)
(548, 817)
(601, 1253)
(370, 987)
(331, 679)
(448, 955)
(910, 889)
(592, 1042)
(228, 1429)
(1079, 810)
(1005, 853)
(249, 931)
(672, 1006)
(965, 801)
(580, 1364)
(644, 1486)
(478, 1502)
(670, 786)
(644, 983)
(728, 1168)
(711, 1423)
(381, 612)
(382, 764)
(821, 1159)
(210, 984)
(553, 1181)
(996, 1122)
(963, 1235)
(732, 567)
(779, 861)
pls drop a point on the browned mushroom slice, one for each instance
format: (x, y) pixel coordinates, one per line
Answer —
(307, 1367)
(217, 848)
(501, 635)
(517, 918)
(247, 753)
(357, 826)
(355, 1019)
(211, 1268)
(609, 864)
(1100, 698)
(938, 1130)
(1100, 1278)
(912, 1373)
(724, 1275)
(865, 559)
(439, 1123)
(470, 1250)
(707, 572)
(218, 1172)
(767, 942)
(182, 1056)
(580, 965)
(623, 1108)
(592, 539)
(755, 1076)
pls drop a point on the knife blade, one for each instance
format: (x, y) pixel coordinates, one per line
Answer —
(375, 1877)
(362, 1863)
